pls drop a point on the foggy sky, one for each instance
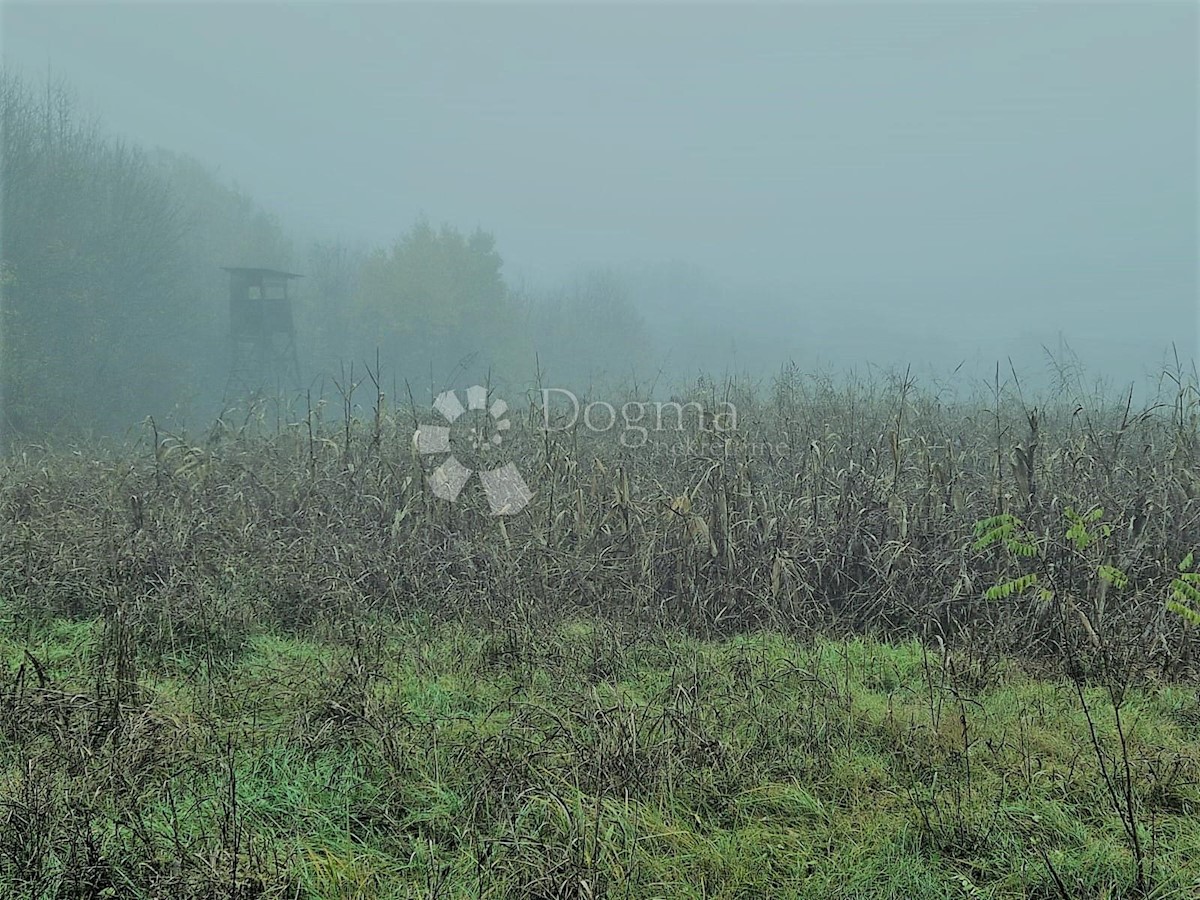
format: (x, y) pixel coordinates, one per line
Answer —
(970, 170)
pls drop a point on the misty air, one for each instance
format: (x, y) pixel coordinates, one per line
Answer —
(595, 449)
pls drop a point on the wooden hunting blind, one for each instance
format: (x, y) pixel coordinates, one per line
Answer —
(262, 332)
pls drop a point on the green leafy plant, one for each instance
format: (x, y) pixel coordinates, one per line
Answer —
(1079, 533)
(1010, 533)
(1184, 599)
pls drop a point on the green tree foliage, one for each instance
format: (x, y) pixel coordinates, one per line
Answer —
(436, 297)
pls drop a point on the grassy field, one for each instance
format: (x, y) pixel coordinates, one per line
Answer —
(866, 645)
(422, 760)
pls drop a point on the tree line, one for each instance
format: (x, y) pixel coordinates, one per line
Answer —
(113, 305)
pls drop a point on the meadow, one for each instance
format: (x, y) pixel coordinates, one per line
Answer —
(876, 640)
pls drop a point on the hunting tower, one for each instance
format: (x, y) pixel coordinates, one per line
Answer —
(262, 334)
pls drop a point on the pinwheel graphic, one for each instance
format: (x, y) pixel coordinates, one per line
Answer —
(507, 493)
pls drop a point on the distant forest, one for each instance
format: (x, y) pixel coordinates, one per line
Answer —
(114, 305)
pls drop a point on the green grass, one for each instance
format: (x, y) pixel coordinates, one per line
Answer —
(452, 761)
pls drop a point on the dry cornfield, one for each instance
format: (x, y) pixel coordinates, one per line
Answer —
(848, 508)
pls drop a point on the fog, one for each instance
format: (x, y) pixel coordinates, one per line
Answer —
(927, 184)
